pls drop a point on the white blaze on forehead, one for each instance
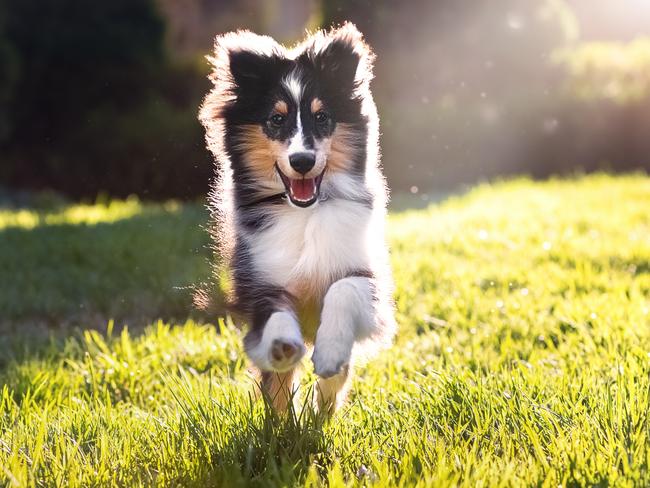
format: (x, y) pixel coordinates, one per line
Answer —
(294, 85)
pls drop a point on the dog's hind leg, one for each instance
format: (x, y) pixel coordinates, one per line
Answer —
(276, 349)
(331, 392)
(279, 388)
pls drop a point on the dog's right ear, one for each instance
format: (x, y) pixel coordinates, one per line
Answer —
(250, 69)
(245, 61)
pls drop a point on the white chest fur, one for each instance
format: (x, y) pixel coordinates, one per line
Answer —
(305, 250)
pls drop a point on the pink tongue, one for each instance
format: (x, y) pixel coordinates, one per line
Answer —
(303, 189)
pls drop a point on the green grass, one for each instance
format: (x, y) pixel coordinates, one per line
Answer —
(523, 356)
(80, 264)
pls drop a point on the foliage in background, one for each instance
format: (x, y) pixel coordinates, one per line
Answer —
(522, 357)
(8, 75)
(95, 102)
(609, 70)
(102, 96)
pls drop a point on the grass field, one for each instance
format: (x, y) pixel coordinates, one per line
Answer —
(523, 356)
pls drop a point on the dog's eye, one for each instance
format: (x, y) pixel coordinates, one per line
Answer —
(278, 120)
(321, 117)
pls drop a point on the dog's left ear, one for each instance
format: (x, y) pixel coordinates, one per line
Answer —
(342, 58)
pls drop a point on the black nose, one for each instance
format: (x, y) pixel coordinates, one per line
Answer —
(302, 162)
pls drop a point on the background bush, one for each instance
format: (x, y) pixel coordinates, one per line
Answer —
(96, 104)
(103, 96)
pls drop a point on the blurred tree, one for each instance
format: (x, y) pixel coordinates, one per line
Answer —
(193, 24)
(75, 55)
(102, 96)
(8, 76)
(87, 70)
(609, 70)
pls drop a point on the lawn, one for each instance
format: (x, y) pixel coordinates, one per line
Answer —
(523, 355)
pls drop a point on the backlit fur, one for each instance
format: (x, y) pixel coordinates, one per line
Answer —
(300, 272)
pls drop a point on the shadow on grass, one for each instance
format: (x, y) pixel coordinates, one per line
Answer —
(133, 270)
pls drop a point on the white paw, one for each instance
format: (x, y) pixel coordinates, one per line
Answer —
(285, 353)
(331, 358)
(281, 346)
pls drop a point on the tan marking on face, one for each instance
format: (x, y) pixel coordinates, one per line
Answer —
(281, 107)
(260, 152)
(316, 105)
(343, 148)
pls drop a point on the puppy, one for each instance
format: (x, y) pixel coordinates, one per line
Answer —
(299, 203)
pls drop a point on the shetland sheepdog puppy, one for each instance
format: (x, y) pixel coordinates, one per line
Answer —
(299, 204)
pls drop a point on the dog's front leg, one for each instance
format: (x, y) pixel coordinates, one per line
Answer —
(276, 344)
(348, 316)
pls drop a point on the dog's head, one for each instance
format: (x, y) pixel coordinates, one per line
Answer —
(290, 120)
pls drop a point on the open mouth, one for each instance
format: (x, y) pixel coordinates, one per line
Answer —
(303, 192)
